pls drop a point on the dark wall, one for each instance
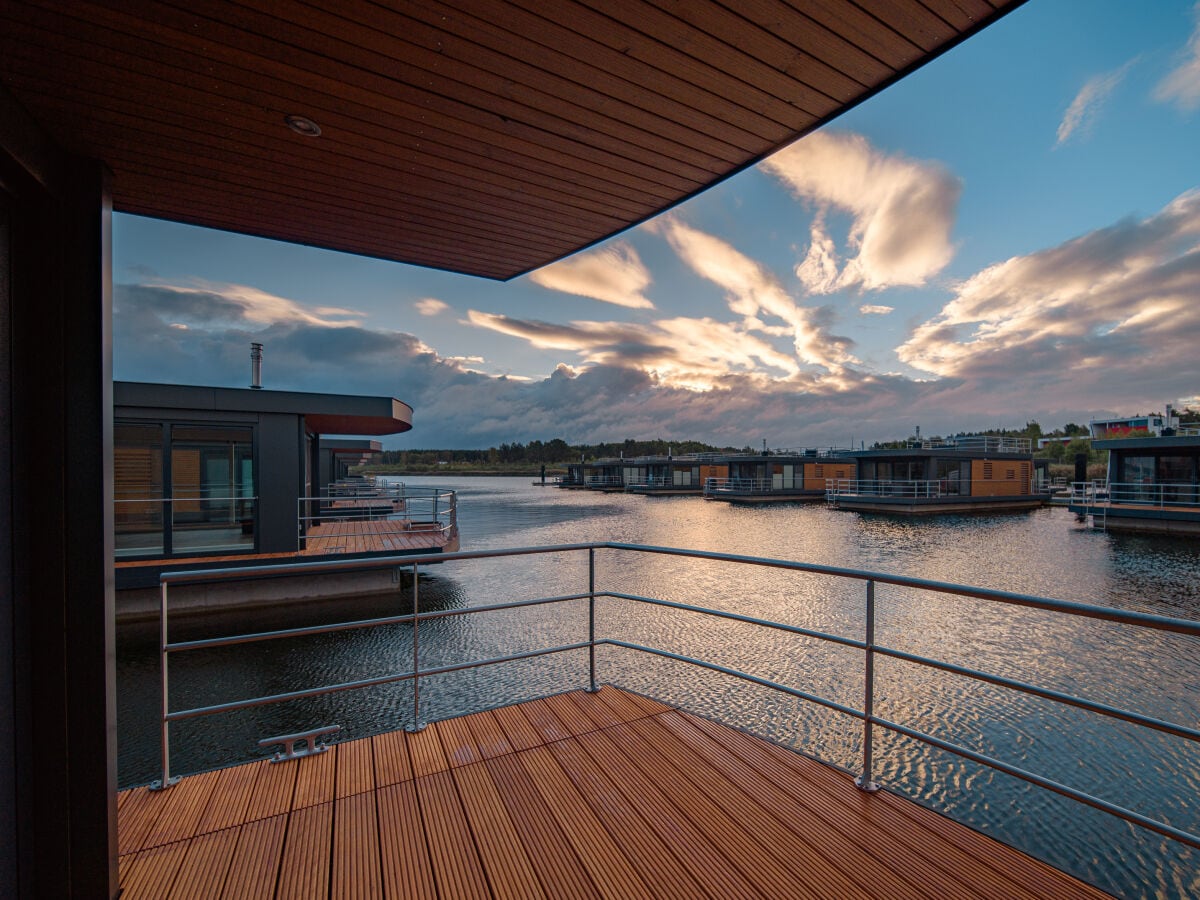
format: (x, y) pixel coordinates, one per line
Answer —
(57, 701)
(280, 460)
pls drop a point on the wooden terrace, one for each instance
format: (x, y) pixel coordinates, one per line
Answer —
(576, 795)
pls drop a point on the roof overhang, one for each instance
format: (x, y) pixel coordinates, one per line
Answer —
(322, 413)
(487, 137)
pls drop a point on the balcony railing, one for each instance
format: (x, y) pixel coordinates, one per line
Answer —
(879, 487)
(374, 521)
(866, 643)
(715, 486)
(1098, 494)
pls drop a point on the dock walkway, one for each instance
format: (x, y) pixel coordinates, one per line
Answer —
(575, 795)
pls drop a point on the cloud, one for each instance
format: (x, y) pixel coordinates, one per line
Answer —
(753, 292)
(679, 352)
(430, 306)
(871, 309)
(203, 302)
(1085, 108)
(1112, 312)
(903, 212)
(612, 274)
(603, 400)
(1182, 85)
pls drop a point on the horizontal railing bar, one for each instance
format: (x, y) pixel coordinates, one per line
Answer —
(737, 617)
(238, 573)
(1103, 709)
(361, 623)
(1148, 620)
(1121, 812)
(235, 705)
(737, 673)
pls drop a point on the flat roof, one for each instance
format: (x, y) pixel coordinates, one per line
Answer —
(323, 413)
(1148, 443)
(485, 138)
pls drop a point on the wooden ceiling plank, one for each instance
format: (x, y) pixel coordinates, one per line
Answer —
(280, 42)
(625, 38)
(960, 14)
(590, 61)
(913, 21)
(448, 41)
(176, 28)
(813, 38)
(178, 127)
(669, 31)
(447, 255)
(862, 29)
(746, 36)
(315, 206)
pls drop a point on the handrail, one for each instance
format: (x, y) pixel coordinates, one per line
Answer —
(1158, 495)
(866, 715)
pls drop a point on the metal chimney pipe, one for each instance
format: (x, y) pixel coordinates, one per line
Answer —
(256, 366)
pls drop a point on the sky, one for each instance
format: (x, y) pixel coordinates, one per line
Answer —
(1012, 233)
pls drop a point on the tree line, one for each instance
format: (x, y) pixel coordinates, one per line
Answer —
(553, 452)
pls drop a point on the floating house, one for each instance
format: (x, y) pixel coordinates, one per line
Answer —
(674, 475)
(965, 474)
(209, 477)
(605, 475)
(1153, 485)
(294, 126)
(781, 475)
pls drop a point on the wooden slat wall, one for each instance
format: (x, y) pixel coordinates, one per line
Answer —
(574, 796)
(487, 136)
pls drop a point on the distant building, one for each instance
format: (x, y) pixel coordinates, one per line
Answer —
(1140, 426)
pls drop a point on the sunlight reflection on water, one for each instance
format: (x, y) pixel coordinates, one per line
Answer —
(1043, 553)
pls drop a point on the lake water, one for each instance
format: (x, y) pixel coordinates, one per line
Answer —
(1044, 552)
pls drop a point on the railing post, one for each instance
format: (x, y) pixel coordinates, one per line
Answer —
(416, 724)
(164, 707)
(592, 686)
(864, 781)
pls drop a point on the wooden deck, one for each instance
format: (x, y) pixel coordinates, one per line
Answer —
(375, 536)
(578, 795)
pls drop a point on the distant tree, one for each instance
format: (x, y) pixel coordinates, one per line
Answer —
(1071, 429)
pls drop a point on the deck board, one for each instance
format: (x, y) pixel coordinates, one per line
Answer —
(574, 796)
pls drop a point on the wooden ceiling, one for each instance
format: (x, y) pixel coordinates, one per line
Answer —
(488, 137)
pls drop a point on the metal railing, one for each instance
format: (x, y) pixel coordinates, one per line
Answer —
(1098, 494)
(981, 443)
(883, 487)
(867, 644)
(746, 486)
(366, 521)
(603, 481)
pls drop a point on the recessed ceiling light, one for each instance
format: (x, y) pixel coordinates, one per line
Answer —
(303, 125)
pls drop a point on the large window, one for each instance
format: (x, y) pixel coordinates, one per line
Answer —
(209, 507)
(138, 489)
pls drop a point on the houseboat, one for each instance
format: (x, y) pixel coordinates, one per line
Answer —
(605, 475)
(977, 473)
(208, 478)
(781, 475)
(675, 475)
(1153, 485)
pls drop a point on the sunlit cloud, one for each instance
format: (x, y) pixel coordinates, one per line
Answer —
(1182, 85)
(1085, 108)
(753, 292)
(203, 302)
(871, 309)
(903, 212)
(612, 274)
(430, 306)
(680, 352)
(1112, 310)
